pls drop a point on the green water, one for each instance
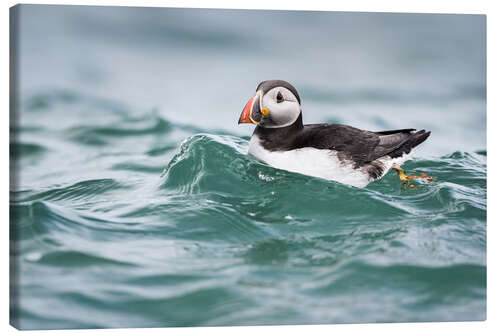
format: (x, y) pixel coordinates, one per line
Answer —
(134, 203)
(203, 234)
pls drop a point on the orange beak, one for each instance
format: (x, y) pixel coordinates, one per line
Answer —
(246, 114)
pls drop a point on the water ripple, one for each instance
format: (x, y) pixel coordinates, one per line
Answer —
(233, 237)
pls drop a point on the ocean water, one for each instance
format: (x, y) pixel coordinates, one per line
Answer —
(134, 203)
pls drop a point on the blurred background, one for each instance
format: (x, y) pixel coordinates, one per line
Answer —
(200, 66)
(133, 202)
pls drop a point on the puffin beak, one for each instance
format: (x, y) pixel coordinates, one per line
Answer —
(253, 106)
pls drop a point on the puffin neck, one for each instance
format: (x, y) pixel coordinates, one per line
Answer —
(281, 138)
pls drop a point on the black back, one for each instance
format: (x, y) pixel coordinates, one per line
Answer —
(352, 144)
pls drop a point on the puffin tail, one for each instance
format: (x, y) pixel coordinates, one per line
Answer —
(413, 140)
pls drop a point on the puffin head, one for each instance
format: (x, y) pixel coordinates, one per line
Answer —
(276, 103)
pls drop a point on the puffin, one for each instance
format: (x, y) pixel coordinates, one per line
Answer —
(335, 152)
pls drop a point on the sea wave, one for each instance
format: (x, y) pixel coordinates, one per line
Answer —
(214, 230)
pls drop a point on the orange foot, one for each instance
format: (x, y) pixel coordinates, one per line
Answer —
(406, 179)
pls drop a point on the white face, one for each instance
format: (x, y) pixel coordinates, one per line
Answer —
(283, 107)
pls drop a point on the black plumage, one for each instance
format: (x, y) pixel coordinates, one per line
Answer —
(358, 148)
(352, 145)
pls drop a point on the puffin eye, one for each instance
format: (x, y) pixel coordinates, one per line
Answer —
(279, 97)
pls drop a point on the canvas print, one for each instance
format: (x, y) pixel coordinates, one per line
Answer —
(219, 167)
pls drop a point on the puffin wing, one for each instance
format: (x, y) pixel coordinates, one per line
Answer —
(400, 131)
(360, 146)
(398, 142)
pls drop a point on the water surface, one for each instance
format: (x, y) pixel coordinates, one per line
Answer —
(134, 202)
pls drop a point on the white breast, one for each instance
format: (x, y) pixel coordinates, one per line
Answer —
(321, 163)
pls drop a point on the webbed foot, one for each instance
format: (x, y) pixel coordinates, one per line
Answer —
(406, 179)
